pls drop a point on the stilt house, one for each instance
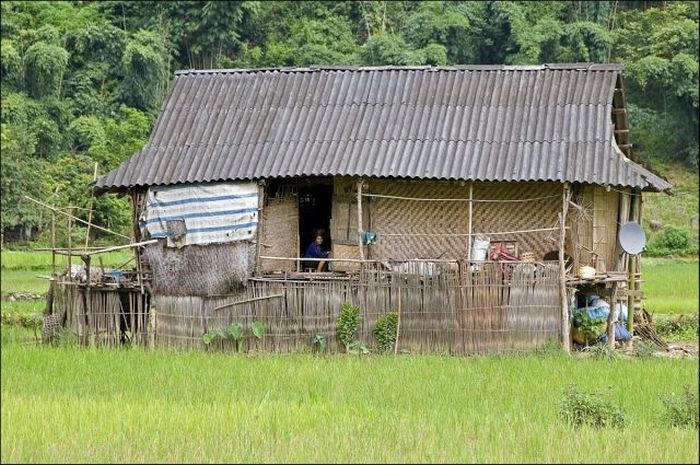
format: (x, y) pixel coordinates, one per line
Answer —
(464, 198)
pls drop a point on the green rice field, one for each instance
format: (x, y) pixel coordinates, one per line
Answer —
(670, 286)
(85, 405)
(90, 406)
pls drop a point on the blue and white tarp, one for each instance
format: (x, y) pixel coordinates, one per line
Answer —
(201, 213)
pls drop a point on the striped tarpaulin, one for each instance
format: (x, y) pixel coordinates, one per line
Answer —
(201, 213)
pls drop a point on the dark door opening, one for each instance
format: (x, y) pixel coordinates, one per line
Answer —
(315, 203)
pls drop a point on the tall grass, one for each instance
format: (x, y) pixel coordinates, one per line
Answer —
(82, 405)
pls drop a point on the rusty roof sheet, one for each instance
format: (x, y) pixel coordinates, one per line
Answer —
(485, 123)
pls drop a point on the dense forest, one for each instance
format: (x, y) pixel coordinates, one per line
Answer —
(82, 82)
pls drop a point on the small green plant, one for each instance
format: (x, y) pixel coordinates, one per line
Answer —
(211, 336)
(258, 329)
(681, 410)
(319, 342)
(385, 330)
(347, 324)
(674, 238)
(579, 409)
(235, 332)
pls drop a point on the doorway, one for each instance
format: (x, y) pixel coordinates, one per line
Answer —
(315, 206)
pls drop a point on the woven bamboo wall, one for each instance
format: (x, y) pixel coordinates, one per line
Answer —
(280, 232)
(396, 216)
(344, 210)
(605, 215)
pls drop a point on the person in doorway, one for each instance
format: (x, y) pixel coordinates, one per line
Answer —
(314, 250)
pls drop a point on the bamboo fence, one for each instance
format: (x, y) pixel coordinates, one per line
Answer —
(453, 309)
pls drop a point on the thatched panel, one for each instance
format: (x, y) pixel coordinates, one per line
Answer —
(200, 269)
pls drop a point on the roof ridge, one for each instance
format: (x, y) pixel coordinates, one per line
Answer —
(473, 67)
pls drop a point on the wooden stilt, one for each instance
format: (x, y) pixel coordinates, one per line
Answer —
(359, 219)
(565, 330)
(469, 227)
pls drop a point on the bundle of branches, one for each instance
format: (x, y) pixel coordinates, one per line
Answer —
(644, 328)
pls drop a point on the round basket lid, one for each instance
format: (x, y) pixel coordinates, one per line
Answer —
(632, 239)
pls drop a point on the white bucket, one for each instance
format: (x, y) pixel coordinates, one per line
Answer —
(480, 248)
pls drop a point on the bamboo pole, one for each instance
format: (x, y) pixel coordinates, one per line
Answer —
(631, 268)
(469, 227)
(254, 299)
(495, 233)
(611, 318)
(419, 199)
(53, 243)
(258, 242)
(70, 232)
(74, 217)
(359, 218)
(120, 247)
(357, 260)
(562, 270)
(398, 320)
(92, 207)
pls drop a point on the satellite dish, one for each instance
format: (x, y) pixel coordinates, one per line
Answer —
(631, 237)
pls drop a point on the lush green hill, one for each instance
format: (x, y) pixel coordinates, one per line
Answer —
(679, 210)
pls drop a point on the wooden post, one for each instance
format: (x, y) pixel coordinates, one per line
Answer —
(635, 210)
(398, 314)
(70, 232)
(611, 317)
(92, 207)
(152, 318)
(258, 242)
(469, 227)
(359, 218)
(630, 293)
(89, 317)
(562, 270)
(53, 243)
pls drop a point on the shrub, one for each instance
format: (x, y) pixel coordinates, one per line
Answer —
(681, 410)
(683, 327)
(674, 238)
(385, 330)
(347, 324)
(579, 409)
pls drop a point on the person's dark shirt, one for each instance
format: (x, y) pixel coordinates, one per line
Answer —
(315, 251)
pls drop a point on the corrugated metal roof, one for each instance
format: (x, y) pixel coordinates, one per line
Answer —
(486, 123)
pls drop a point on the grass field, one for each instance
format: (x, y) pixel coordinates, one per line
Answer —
(87, 405)
(670, 286)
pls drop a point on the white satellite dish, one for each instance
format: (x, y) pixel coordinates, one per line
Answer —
(632, 238)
